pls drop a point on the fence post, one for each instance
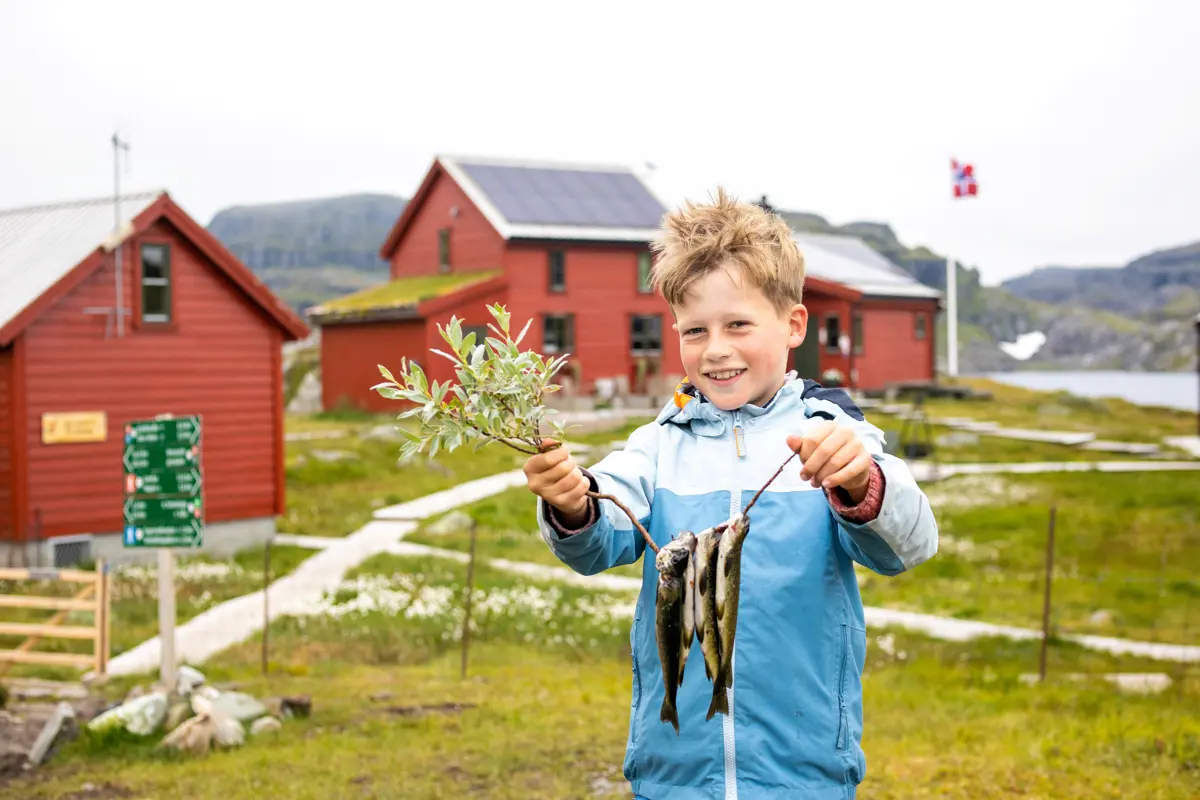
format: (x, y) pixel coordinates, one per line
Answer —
(1046, 599)
(466, 631)
(266, 603)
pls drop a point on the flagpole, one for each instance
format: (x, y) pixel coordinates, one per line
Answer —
(951, 317)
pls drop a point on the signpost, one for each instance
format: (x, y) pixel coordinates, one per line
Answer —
(164, 506)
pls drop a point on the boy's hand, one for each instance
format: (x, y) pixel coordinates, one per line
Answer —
(555, 477)
(833, 456)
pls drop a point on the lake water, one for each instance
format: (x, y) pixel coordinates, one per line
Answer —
(1170, 389)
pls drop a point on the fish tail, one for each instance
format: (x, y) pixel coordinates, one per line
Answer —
(669, 714)
(720, 701)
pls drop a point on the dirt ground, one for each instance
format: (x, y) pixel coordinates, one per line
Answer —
(22, 722)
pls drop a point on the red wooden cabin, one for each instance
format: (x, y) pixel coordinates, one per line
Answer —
(197, 333)
(568, 246)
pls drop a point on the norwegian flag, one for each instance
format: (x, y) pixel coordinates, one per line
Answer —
(964, 179)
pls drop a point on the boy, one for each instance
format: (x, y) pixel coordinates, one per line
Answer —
(733, 276)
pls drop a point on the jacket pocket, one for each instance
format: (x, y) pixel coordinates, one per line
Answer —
(849, 679)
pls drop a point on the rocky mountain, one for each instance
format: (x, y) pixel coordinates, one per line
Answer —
(310, 250)
(1162, 285)
(1076, 317)
(1131, 317)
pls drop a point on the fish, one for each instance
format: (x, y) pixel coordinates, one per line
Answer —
(707, 543)
(671, 562)
(689, 602)
(728, 591)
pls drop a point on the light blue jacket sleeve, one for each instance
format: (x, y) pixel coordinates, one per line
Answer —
(905, 533)
(628, 474)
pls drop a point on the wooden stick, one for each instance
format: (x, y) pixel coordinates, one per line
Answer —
(645, 534)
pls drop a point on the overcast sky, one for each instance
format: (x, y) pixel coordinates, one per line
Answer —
(1082, 119)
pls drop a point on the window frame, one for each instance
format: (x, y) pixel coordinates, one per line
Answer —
(444, 250)
(832, 345)
(168, 284)
(551, 286)
(921, 326)
(645, 352)
(645, 262)
(857, 336)
(568, 343)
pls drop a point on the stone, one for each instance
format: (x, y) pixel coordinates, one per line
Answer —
(1101, 617)
(189, 678)
(307, 399)
(957, 439)
(454, 522)
(385, 432)
(265, 725)
(330, 456)
(239, 705)
(63, 714)
(177, 715)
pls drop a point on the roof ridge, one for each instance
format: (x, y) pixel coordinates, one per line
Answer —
(536, 163)
(89, 201)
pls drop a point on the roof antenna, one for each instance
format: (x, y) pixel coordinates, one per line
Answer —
(118, 146)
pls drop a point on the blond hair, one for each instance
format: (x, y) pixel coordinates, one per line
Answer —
(699, 238)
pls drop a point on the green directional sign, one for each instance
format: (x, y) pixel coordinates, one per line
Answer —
(177, 430)
(141, 458)
(164, 482)
(163, 522)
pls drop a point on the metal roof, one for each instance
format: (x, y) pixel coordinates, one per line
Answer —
(39, 245)
(851, 262)
(538, 200)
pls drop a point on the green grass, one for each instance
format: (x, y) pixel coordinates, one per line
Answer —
(1015, 407)
(337, 498)
(201, 583)
(1125, 554)
(507, 529)
(988, 449)
(539, 718)
(402, 292)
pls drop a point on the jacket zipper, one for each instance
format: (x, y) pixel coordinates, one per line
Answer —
(735, 505)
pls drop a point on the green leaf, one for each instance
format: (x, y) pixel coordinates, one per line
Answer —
(384, 371)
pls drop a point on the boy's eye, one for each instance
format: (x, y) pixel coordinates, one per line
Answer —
(739, 323)
(693, 331)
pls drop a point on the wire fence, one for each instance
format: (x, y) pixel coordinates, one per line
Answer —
(1142, 587)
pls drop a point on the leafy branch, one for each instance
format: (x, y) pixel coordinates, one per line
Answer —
(499, 397)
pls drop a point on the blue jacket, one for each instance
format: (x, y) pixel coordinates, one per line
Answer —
(795, 721)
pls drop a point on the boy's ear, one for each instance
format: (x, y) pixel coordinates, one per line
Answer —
(797, 325)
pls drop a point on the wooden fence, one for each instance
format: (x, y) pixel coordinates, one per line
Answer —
(93, 597)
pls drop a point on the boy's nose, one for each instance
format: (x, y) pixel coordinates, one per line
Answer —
(718, 349)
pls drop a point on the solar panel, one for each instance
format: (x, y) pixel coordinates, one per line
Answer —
(543, 196)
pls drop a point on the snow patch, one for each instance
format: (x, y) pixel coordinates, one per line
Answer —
(1026, 345)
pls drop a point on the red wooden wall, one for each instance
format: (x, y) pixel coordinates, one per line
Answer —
(474, 243)
(891, 350)
(220, 359)
(7, 498)
(601, 291)
(350, 355)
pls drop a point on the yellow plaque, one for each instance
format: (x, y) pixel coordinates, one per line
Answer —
(74, 426)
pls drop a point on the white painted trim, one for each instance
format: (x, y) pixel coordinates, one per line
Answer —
(583, 233)
(494, 161)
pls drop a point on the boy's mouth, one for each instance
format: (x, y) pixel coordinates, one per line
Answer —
(724, 377)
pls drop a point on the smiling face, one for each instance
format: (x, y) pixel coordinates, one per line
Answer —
(734, 342)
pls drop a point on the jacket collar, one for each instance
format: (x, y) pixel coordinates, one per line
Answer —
(690, 408)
